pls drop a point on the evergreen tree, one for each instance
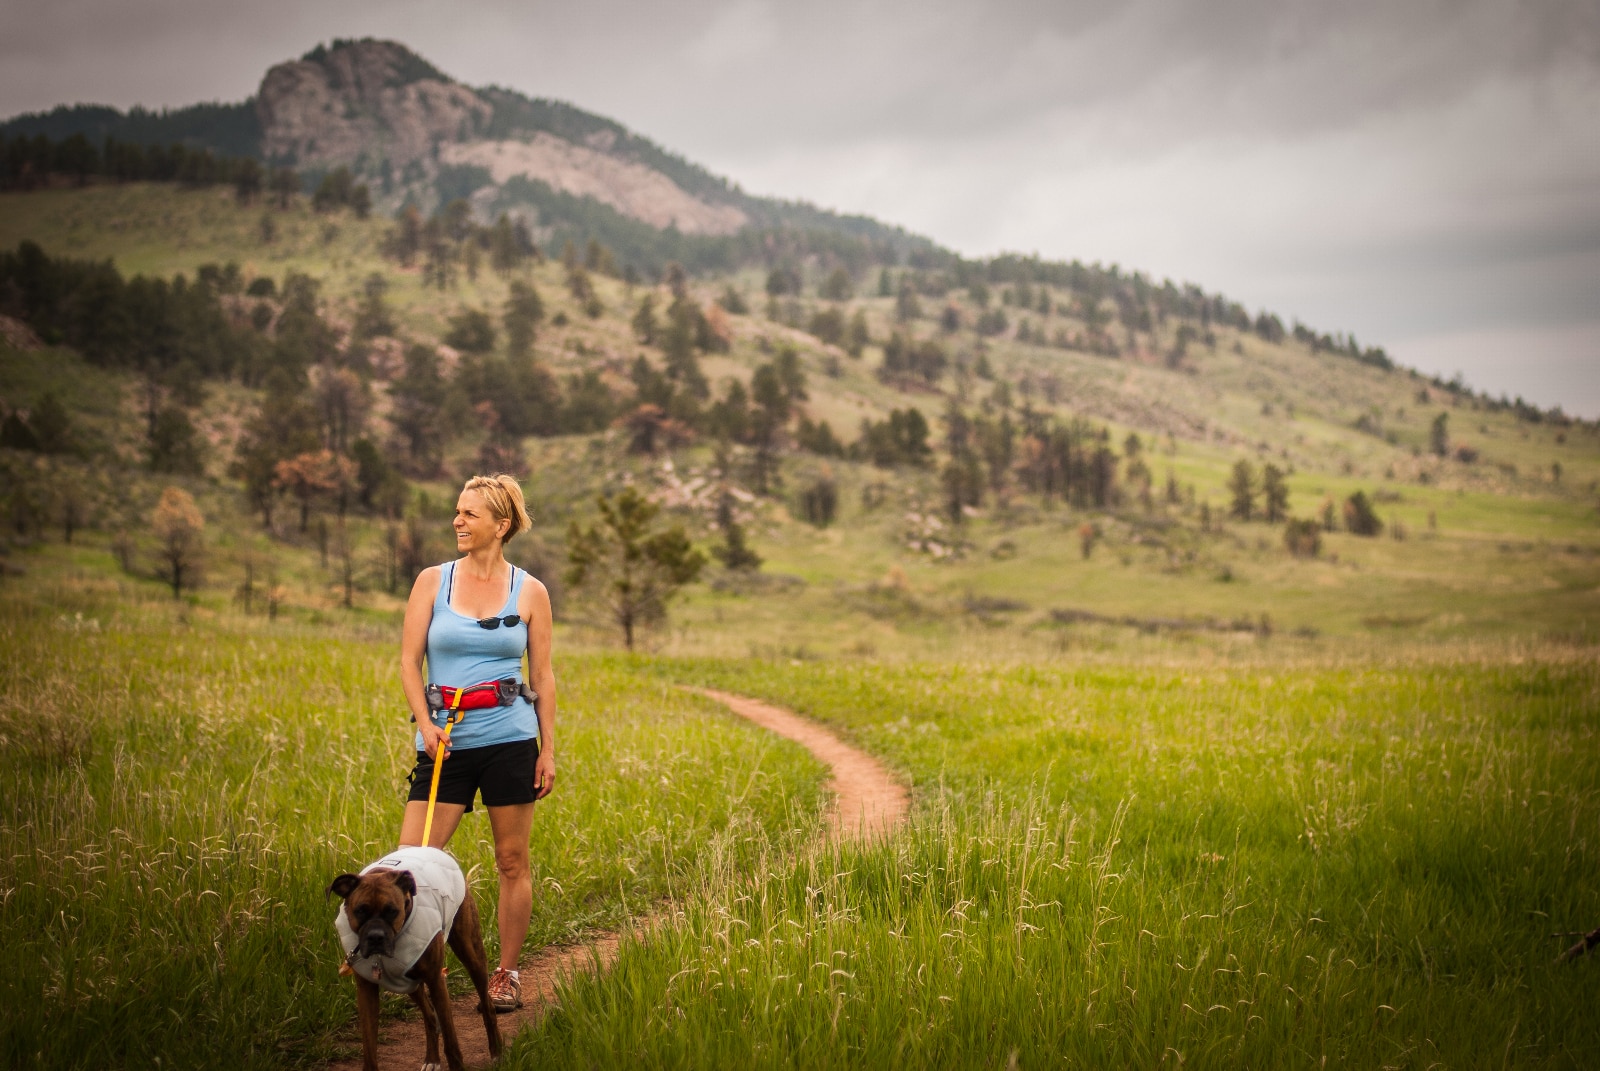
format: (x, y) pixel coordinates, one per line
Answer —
(678, 345)
(418, 413)
(857, 337)
(906, 305)
(735, 552)
(247, 181)
(1242, 488)
(523, 313)
(819, 503)
(1359, 517)
(1274, 494)
(506, 253)
(1439, 435)
(962, 479)
(51, 425)
(734, 302)
(838, 286)
(284, 425)
(636, 567)
(374, 318)
(174, 444)
(471, 331)
(645, 325)
(285, 184)
(17, 434)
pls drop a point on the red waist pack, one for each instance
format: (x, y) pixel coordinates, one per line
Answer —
(479, 696)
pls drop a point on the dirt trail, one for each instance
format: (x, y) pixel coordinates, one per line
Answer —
(868, 803)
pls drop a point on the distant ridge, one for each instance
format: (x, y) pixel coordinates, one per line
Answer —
(414, 134)
(226, 129)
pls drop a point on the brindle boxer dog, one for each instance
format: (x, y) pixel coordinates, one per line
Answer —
(376, 906)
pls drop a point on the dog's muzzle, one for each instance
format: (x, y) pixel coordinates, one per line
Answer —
(377, 939)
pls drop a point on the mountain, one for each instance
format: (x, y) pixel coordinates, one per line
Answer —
(414, 134)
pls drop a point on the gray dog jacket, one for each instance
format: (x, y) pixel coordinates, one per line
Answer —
(440, 890)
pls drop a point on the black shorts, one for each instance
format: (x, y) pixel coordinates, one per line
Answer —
(503, 773)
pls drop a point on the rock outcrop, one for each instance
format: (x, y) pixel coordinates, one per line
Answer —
(381, 109)
(364, 102)
(631, 188)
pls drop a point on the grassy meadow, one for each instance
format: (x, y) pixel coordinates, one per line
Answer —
(1291, 864)
(182, 785)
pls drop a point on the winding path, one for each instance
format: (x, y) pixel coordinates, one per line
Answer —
(868, 803)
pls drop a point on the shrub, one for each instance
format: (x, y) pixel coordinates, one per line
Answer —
(820, 502)
(1359, 518)
(828, 325)
(1303, 538)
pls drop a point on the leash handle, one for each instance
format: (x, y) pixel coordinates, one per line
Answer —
(438, 764)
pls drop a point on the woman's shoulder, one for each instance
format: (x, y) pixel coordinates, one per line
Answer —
(428, 581)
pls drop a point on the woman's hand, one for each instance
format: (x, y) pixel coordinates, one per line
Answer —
(544, 774)
(432, 737)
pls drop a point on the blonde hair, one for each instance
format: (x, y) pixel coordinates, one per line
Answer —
(503, 495)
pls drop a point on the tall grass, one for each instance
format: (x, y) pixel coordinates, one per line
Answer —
(1357, 866)
(181, 787)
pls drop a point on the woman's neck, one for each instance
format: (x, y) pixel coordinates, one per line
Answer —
(485, 563)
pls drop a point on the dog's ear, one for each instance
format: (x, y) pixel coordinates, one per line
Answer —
(343, 886)
(406, 883)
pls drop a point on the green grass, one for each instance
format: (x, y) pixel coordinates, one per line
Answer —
(181, 786)
(1290, 865)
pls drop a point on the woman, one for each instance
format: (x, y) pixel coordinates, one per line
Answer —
(472, 620)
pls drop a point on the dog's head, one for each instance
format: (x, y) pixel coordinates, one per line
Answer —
(376, 904)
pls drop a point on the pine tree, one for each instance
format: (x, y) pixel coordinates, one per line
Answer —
(735, 552)
(524, 311)
(636, 567)
(1242, 488)
(1275, 494)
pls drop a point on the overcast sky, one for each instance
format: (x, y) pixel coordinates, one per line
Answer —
(1425, 175)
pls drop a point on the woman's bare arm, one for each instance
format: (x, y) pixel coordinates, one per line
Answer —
(414, 649)
(534, 605)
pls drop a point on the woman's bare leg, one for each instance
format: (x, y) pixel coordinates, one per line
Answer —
(446, 816)
(511, 826)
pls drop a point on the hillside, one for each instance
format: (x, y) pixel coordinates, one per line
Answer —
(414, 135)
(974, 545)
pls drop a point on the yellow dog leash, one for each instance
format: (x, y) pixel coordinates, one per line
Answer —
(438, 761)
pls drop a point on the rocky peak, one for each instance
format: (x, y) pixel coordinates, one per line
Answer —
(361, 103)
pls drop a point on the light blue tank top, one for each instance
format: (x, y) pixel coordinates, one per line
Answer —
(462, 653)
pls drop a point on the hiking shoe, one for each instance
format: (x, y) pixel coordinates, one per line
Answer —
(505, 992)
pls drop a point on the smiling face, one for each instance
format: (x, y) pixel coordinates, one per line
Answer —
(475, 525)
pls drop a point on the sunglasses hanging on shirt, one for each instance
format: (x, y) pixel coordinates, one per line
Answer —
(509, 621)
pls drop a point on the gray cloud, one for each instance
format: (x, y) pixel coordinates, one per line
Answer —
(1419, 171)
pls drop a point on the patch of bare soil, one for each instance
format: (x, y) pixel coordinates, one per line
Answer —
(868, 803)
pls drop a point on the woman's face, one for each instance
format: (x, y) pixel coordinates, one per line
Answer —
(475, 526)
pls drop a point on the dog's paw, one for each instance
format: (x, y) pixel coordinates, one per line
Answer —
(426, 1066)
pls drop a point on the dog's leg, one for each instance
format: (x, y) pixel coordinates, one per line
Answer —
(466, 941)
(441, 1007)
(420, 996)
(367, 1012)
